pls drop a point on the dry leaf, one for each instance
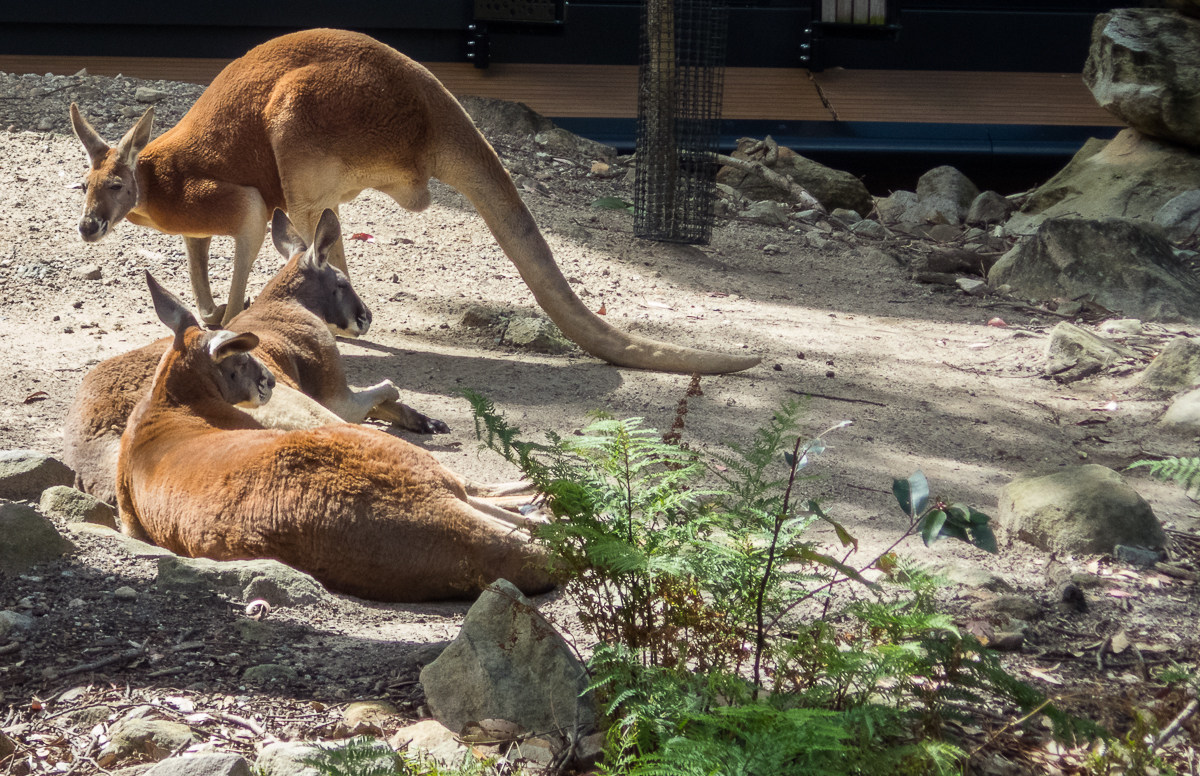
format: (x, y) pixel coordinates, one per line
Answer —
(363, 236)
(1037, 673)
(1119, 643)
(603, 310)
(36, 396)
(998, 323)
(1115, 593)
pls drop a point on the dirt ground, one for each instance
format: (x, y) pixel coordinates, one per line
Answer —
(928, 384)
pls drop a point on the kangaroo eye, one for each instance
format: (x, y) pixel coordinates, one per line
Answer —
(116, 186)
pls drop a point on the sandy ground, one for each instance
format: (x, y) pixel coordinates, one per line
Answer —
(928, 384)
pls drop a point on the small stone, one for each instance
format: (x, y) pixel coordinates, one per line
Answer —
(769, 213)
(943, 232)
(146, 94)
(846, 216)
(868, 228)
(11, 622)
(973, 286)
(125, 593)
(46, 124)
(1136, 556)
(771, 248)
(87, 272)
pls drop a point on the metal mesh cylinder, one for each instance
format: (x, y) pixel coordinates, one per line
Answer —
(681, 76)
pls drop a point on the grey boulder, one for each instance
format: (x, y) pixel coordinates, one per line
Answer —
(1124, 265)
(1080, 510)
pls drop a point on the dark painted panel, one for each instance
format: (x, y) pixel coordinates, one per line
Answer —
(944, 40)
(411, 14)
(202, 42)
(593, 34)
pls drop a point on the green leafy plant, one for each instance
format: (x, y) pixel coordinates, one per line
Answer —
(720, 648)
(935, 520)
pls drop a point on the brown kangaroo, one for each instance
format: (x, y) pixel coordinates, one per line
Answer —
(292, 317)
(305, 122)
(365, 513)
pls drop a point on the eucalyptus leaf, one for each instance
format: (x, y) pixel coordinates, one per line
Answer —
(918, 488)
(613, 203)
(931, 526)
(983, 538)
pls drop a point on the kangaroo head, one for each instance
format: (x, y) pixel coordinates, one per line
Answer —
(221, 358)
(320, 287)
(110, 187)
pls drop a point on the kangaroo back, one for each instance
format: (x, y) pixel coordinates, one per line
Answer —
(363, 512)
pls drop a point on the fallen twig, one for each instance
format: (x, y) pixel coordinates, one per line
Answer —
(121, 657)
(782, 182)
(835, 398)
(249, 724)
(1177, 723)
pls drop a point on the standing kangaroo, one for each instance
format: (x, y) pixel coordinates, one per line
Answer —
(306, 122)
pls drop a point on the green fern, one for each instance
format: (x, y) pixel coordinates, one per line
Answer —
(359, 756)
(1185, 471)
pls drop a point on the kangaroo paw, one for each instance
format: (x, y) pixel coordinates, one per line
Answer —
(214, 318)
(407, 418)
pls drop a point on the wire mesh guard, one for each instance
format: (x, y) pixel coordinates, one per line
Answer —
(681, 76)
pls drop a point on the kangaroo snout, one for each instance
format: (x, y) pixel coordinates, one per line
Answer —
(92, 229)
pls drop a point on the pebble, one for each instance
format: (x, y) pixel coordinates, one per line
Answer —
(125, 593)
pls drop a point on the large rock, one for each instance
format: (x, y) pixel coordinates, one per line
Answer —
(1073, 353)
(1120, 264)
(24, 474)
(565, 143)
(832, 188)
(1131, 176)
(1183, 416)
(1143, 66)
(1082, 510)
(511, 118)
(287, 758)
(1176, 368)
(138, 734)
(537, 334)
(945, 196)
(75, 506)
(27, 539)
(218, 764)
(433, 739)
(1180, 217)
(509, 663)
(243, 580)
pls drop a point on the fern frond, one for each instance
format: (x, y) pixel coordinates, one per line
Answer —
(1185, 471)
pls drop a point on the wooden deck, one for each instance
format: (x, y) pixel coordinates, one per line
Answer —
(610, 91)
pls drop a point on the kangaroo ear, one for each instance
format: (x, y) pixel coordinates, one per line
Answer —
(329, 231)
(285, 236)
(136, 139)
(223, 344)
(171, 311)
(93, 144)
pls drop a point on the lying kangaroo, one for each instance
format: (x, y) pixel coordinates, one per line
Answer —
(292, 317)
(305, 122)
(365, 513)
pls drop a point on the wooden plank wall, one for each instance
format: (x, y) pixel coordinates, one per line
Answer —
(782, 94)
